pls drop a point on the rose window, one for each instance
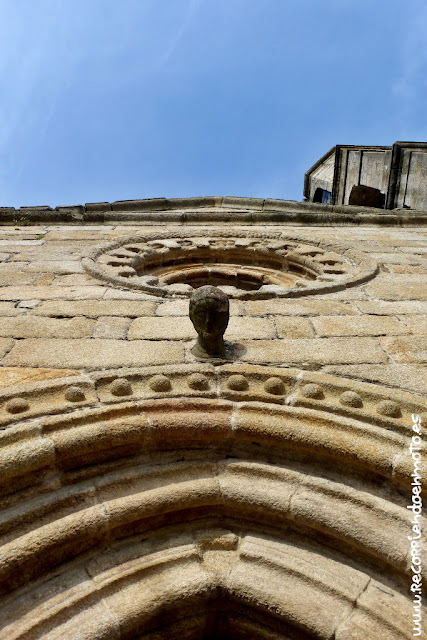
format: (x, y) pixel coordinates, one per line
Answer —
(244, 265)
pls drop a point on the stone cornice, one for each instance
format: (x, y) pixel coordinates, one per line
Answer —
(218, 209)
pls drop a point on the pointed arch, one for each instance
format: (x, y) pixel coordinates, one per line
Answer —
(257, 488)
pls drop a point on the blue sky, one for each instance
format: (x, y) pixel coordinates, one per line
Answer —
(104, 100)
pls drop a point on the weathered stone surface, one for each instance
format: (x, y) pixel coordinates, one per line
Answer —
(293, 327)
(49, 293)
(415, 324)
(27, 304)
(10, 376)
(30, 254)
(20, 243)
(358, 326)
(241, 328)
(96, 308)
(59, 267)
(405, 268)
(398, 258)
(379, 613)
(118, 294)
(406, 348)
(307, 434)
(111, 327)
(5, 345)
(307, 307)
(381, 307)
(320, 351)
(97, 621)
(285, 585)
(162, 328)
(9, 309)
(91, 354)
(405, 376)
(72, 280)
(173, 308)
(347, 295)
(17, 277)
(399, 287)
(369, 521)
(25, 233)
(73, 234)
(45, 279)
(39, 327)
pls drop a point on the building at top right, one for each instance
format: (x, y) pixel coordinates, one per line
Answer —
(384, 177)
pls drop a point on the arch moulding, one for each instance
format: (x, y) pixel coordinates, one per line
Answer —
(201, 501)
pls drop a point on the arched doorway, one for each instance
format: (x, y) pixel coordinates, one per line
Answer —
(197, 502)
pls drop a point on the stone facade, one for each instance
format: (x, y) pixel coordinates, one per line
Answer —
(150, 493)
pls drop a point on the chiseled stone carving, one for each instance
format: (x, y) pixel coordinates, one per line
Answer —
(248, 265)
(209, 313)
(236, 437)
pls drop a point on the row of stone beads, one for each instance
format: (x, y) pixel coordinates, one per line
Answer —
(352, 399)
(273, 385)
(199, 382)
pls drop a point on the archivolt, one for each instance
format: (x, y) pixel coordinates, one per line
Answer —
(195, 516)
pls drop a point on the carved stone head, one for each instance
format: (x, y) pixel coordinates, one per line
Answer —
(209, 313)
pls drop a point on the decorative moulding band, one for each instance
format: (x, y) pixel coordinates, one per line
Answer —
(130, 495)
(215, 209)
(151, 488)
(386, 410)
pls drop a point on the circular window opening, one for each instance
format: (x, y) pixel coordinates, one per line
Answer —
(247, 272)
(224, 275)
(248, 265)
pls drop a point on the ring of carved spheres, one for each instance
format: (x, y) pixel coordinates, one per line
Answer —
(245, 265)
